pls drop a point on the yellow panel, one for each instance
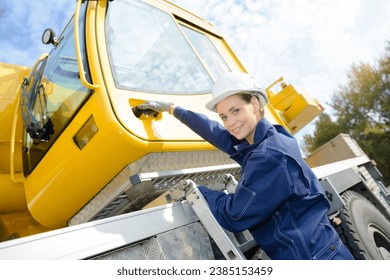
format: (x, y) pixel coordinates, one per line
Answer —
(11, 77)
(296, 109)
(297, 105)
(283, 99)
(12, 197)
(18, 224)
(304, 117)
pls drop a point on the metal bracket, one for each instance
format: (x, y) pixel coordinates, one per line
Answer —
(230, 183)
(335, 200)
(189, 191)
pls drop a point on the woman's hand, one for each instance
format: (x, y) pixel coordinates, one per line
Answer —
(157, 106)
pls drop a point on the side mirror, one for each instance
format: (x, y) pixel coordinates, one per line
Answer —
(48, 37)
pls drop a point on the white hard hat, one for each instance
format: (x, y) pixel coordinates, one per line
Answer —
(232, 83)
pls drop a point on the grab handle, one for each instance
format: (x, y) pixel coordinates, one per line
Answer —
(78, 49)
(12, 146)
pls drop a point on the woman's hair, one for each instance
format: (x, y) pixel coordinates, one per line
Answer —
(247, 97)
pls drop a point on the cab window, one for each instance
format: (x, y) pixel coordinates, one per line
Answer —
(207, 52)
(57, 97)
(150, 52)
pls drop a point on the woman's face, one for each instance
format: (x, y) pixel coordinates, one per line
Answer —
(240, 117)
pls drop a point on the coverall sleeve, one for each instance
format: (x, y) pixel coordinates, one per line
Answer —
(210, 130)
(265, 186)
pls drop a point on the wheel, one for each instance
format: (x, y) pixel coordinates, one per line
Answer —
(364, 230)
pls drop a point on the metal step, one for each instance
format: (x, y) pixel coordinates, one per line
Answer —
(145, 187)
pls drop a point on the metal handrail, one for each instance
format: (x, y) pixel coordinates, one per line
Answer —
(78, 49)
(12, 146)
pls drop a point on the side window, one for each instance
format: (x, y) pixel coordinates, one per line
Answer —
(60, 95)
(64, 90)
(207, 52)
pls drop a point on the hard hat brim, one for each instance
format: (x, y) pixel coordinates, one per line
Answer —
(261, 94)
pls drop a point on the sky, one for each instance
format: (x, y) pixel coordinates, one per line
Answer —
(311, 43)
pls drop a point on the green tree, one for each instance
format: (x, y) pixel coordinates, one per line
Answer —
(361, 109)
(320, 136)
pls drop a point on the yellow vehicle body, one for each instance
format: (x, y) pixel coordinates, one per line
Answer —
(45, 182)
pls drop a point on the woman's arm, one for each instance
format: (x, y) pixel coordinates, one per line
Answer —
(212, 131)
(264, 187)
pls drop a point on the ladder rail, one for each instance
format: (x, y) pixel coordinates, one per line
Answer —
(225, 241)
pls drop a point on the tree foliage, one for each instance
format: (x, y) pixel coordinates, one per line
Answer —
(362, 110)
(321, 136)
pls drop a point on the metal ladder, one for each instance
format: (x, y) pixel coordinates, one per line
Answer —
(231, 245)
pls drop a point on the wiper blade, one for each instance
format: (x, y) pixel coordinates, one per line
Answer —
(38, 130)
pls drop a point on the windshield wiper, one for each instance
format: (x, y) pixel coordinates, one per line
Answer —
(37, 129)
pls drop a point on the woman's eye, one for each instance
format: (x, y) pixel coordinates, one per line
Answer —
(235, 111)
(224, 118)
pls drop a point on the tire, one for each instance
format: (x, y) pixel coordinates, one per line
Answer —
(364, 230)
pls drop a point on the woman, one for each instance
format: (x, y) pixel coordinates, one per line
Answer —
(278, 198)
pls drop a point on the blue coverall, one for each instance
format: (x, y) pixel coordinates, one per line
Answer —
(278, 198)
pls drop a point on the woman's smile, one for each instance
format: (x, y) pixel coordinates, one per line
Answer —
(239, 117)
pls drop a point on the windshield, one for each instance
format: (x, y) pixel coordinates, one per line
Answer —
(151, 53)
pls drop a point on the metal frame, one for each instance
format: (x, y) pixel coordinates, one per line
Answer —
(332, 168)
(94, 238)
